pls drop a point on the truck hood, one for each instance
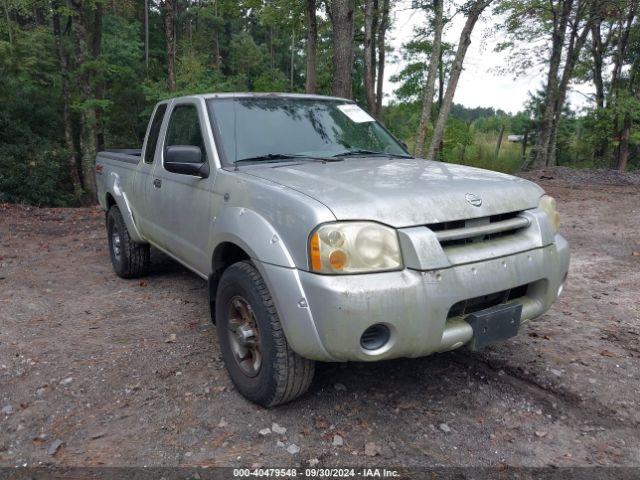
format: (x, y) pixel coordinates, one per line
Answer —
(402, 192)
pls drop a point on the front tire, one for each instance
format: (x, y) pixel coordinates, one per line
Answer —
(258, 358)
(129, 259)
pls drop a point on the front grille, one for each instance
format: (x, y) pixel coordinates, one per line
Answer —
(462, 232)
(471, 305)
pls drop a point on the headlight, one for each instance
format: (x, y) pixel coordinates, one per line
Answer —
(548, 204)
(354, 247)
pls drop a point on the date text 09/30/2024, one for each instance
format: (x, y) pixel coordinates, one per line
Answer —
(316, 472)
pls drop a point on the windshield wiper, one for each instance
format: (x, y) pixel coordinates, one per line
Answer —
(275, 157)
(358, 151)
(267, 157)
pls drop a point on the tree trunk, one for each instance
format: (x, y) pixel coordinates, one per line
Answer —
(216, 42)
(341, 14)
(9, 29)
(369, 72)
(499, 142)
(73, 163)
(88, 133)
(620, 160)
(599, 47)
(523, 154)
(169, 35)
(627, 124)
(382, 32)
(312, 46)
(176, 4)
(292, 70)
(623, 41)
(271, 57)
(146, 35)
(551, 91)
(429, 90)
(216, 50)
(96, 49)
(374, 36)
(623, 150)
(576, 42)
(456, 69)
(597, 53)
(440, 81)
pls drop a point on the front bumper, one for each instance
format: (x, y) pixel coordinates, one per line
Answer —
(324, 316)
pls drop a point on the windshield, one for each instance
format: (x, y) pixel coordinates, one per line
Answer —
(259, 127)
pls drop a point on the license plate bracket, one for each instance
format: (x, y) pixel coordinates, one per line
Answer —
(494, 324)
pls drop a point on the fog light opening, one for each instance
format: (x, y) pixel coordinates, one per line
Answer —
(375, 337)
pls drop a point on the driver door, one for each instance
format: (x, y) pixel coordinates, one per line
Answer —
(182, 204)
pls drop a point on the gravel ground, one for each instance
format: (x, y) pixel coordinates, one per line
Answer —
(96, 370)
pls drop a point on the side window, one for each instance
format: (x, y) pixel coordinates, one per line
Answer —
(154, 131)
(184, 128)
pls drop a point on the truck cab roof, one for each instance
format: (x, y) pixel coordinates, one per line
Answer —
(207, 96)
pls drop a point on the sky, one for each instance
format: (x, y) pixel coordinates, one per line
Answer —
(480, 85)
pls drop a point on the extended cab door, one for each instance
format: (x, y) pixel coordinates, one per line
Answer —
(142, 180)
(182, 205)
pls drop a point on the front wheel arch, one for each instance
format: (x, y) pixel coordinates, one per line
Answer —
(225, 254)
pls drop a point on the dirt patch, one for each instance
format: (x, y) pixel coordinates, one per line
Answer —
(90, 373)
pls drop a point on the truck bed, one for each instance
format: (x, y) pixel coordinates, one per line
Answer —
(127, 155)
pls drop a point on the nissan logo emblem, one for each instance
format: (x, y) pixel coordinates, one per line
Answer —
(473, 199)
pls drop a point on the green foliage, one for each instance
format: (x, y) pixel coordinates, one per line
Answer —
(492, 124)
(258, 45)
(271, 81)
(470, 136)
(31, 168)
(458, 135)
(31, 161)
(481, 154)
(121, 70)
(246, 57)
(402, 119)
(521, 124)
(221, 45)
(467, 144)
(413, 77)
(595, 138)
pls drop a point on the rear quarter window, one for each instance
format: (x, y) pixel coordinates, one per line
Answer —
(154, 132)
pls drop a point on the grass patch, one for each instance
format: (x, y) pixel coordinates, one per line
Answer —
(481, 153)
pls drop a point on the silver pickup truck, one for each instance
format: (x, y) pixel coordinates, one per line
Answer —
(322, 239)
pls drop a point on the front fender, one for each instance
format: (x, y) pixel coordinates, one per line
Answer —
(259, 239)
(254, 234)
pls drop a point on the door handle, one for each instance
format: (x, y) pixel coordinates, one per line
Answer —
(157, 182)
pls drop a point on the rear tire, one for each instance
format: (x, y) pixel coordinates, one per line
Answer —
(258, 358)
(129, 259)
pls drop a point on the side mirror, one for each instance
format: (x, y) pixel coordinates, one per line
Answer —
(185, 160)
